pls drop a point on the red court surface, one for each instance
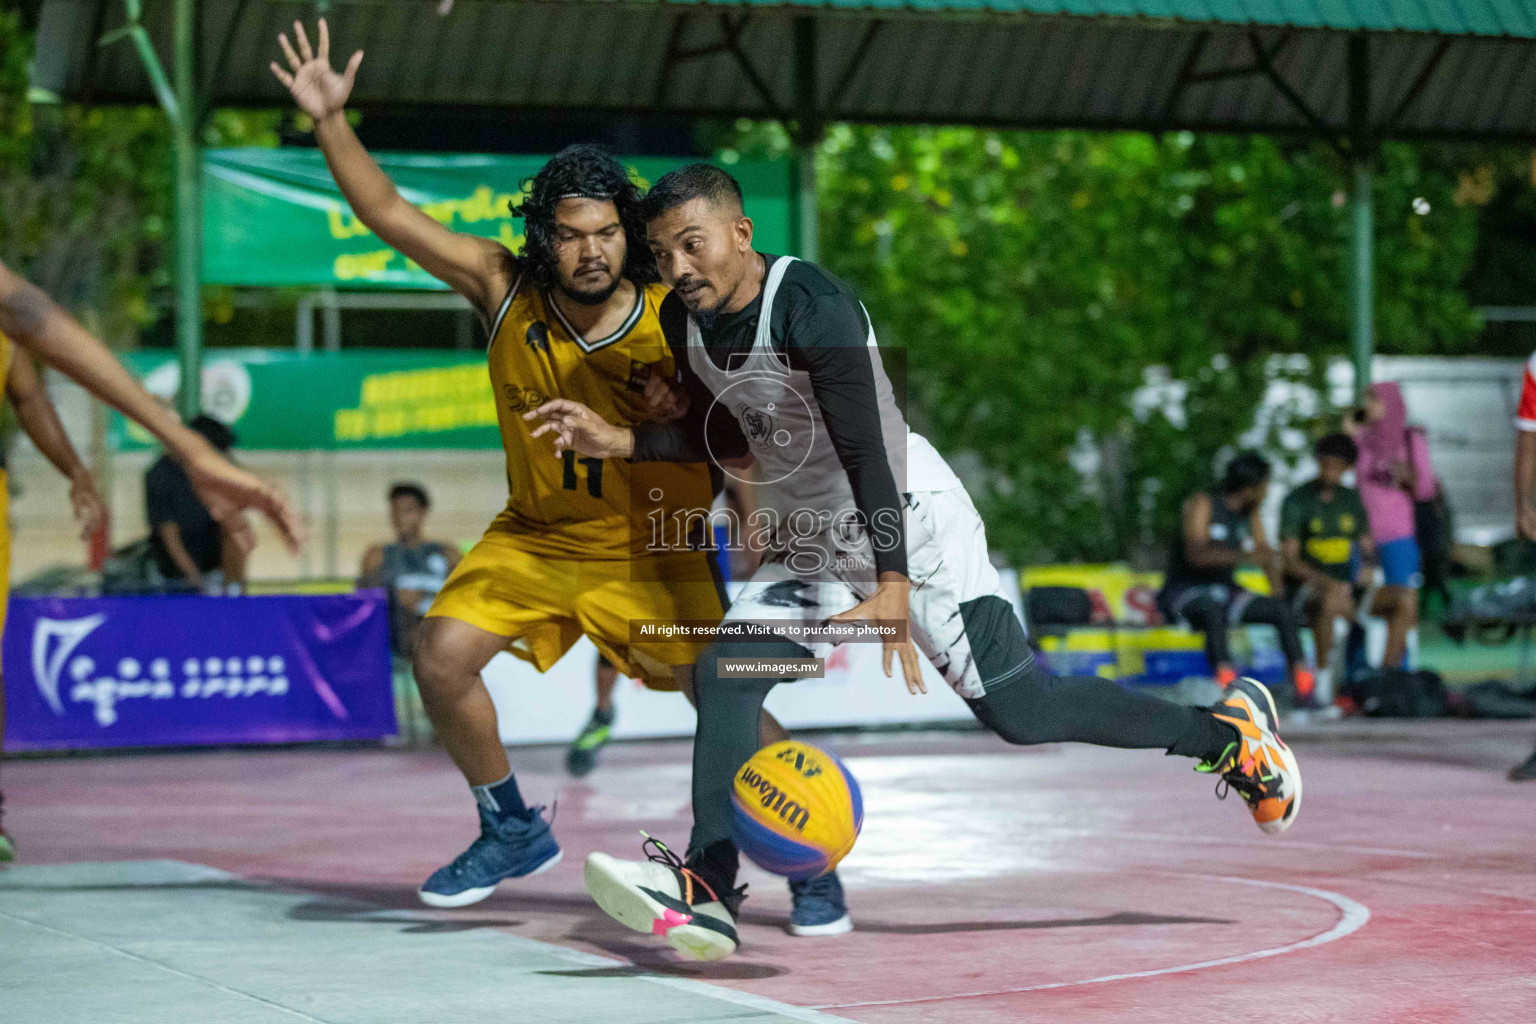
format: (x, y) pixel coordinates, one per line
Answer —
(1056, 884)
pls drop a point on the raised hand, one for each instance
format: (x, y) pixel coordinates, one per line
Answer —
(315, 86)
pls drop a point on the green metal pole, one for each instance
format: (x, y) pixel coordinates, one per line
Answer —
(807, 136)
(806, 207)
(1362, 291)
(189, 212)
(1362, 231)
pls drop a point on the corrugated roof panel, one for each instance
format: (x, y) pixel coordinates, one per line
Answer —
(1488, 17)
(1411, 15)
(1504, 87)
(1021, 71)
(1024, 54)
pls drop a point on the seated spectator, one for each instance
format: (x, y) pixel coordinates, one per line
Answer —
(1217, 532)
(1329, 557)
(190, 550)
(411, 569)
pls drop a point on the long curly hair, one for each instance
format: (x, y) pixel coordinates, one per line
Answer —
(590, 172)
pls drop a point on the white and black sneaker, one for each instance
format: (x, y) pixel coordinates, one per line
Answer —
(666, 897)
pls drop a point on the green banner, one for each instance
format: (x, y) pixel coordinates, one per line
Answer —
(274, 217)
(378, 398)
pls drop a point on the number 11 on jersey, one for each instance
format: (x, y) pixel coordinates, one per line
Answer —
(594, 473)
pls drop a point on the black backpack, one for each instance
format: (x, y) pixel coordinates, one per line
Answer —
(1393, 693)
(1055, 607)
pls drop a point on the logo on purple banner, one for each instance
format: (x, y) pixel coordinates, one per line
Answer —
(191, 671)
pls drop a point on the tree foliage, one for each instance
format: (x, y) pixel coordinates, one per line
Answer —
(86, 192)
(1091, 320)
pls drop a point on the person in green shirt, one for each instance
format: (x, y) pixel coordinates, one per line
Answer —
(1327, 553)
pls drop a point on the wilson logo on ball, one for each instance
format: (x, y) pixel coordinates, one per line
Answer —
(795, 810)
(773, 799)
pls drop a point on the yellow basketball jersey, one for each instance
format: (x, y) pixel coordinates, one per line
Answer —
(576, 507)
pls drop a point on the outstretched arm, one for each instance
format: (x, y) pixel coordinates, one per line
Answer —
(39, 418)
(35, 323)
(477, 268)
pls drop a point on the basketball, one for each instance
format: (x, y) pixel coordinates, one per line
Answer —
(796, 810)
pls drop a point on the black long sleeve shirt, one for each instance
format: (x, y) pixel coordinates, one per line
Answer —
(817, 326)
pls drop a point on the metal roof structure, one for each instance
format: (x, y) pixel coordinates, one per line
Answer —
(1360, 68)
(1351, 71)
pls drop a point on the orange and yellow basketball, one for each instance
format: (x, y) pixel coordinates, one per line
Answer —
(797, 810)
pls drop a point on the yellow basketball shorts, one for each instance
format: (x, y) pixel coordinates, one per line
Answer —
(543, 605)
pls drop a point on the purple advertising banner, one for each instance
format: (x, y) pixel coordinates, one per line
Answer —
(191, 671)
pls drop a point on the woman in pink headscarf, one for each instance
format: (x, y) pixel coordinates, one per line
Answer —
(1393, 472)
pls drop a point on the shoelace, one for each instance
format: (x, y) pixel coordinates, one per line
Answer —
(1236, 774)
(658, 852)
(494, 832)
(1245, 780)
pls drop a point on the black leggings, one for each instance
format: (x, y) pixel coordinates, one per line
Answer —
(1213, 617)
(1029, 706)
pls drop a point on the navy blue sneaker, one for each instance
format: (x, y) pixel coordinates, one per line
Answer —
(819, 907)
(511, 849)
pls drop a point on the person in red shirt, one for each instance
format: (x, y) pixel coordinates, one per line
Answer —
(1525, 508)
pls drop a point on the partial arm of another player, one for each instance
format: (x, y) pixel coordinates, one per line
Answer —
(35, 323)
(39, 418)
(475, 267)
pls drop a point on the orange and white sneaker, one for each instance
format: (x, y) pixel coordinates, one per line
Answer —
(1259, 766)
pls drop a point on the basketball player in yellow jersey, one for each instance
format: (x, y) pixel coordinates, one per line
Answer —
(574, 316)
(36, 324)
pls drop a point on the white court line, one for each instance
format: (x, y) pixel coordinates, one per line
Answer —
(808, 1014)
(167, 968)
(1267, 844)
(1352, 917)
(571, 956)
